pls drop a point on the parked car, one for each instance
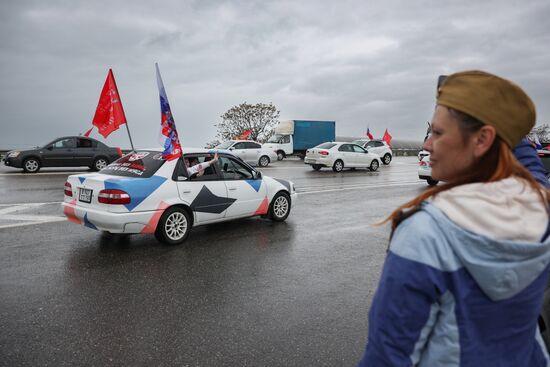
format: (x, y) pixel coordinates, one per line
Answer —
(544, 155)
(250, 152)
(341, 155)
(377, 146)
(143, 193)
(68, 151)
(425, 171)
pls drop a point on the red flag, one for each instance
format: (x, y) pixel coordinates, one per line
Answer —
(369, 135)
(88, 132)
(244, 135)
(387, 137)
(109, 114)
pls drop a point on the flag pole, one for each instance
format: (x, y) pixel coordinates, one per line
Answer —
(129, 136)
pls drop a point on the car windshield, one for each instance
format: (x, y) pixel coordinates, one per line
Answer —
(325, 145)
(275, 138)
(136, 164)
(225, 144)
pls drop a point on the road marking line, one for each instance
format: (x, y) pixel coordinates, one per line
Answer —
(31, 204)
(57, 219)
(357, 188)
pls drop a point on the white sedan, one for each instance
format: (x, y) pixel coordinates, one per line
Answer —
(340, 156)
(250, 152)
(143, 193)
(425, 170)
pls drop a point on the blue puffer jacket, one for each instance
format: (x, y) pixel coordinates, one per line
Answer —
(451, 297)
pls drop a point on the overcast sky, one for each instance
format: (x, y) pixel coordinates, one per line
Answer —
(356, 62)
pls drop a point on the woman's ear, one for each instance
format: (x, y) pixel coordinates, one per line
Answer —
(483, 140)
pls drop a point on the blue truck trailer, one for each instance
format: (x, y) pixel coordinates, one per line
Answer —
(294, 137)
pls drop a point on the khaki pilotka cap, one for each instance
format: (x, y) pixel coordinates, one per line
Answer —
(492, 100)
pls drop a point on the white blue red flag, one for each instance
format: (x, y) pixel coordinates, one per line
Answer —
(369, 135)
(168, 134)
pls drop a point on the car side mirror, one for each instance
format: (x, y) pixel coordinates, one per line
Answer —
(231, 148)
(366, 151)
(257, 175)
(50, 147)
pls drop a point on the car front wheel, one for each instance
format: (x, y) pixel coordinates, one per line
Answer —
(338, 166)
(280, 207)
(174, 226)
(387, 159)
(280, 155)
(264, 161)
(31, 165)
(99, 164)
(374, 165)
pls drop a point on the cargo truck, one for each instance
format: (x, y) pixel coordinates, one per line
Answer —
(294, 137)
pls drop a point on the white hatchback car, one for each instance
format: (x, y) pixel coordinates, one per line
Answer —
(377, 146)
(250, 152)
(340, 156)
(425, 170)
(143, 193)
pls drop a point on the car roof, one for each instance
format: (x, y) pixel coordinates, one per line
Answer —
(189, 150)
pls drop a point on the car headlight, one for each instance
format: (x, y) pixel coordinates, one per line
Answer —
(13, 154)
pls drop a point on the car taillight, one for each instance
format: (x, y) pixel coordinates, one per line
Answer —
(422, 163)
(68, 189)
(113, 196)
(323, 152)
(119, 151)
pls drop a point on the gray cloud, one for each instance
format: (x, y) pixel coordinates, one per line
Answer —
(355, 62)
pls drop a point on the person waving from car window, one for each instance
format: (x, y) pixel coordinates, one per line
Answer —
(196, 168)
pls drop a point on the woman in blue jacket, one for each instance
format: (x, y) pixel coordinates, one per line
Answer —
(464, 278)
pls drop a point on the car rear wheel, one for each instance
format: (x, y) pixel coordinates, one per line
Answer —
(338, 166)
(99, 164)
(387, 159)
(264, 161)
(31, 165)
(174, 226)
(316, 167)
(280, 207)
(432, 182)
(374, 165)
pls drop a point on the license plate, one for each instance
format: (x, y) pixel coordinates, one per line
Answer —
(85, 195)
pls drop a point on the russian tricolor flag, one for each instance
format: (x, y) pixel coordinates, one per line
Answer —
(168, 134)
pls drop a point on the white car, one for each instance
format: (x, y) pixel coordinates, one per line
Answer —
(377, 146)
(143, 193)
(340, 156)
(422, 154)
(425, 170)
(250, 152)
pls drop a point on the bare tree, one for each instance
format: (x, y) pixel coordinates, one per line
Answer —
(543, 132)
(260, 118)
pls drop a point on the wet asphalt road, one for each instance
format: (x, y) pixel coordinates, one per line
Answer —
(243, 293)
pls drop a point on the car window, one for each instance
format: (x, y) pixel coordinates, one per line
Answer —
(231, 169)
(85, 143)
(285, 139)
(325, 146)
(136, 164)
(239, 146)
(252, 145)
(225, 145)
(358, 149)
(345, 148)
(378, 144)
(63, 143)
(370, 144)
(210, 173)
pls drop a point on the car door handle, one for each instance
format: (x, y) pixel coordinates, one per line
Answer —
(187, 191)
(232, 189)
